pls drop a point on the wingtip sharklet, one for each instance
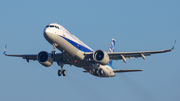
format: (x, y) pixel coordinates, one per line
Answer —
(4, 52)
(174, 45)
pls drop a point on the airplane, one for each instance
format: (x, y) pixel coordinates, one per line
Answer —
(75, 52)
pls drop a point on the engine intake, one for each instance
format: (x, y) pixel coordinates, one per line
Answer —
(45, 58)
(101, 57)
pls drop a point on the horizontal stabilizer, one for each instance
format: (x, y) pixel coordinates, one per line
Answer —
(119, 71)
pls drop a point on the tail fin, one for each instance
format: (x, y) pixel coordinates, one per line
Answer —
(111, 49)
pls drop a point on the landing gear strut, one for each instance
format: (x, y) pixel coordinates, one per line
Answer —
(54, 48)
(61, 71)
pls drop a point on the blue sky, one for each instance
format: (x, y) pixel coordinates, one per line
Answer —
(136, 25)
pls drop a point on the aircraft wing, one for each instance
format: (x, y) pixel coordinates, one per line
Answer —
(130, 55)
(34, 56)
(56, 57)
(24, 56)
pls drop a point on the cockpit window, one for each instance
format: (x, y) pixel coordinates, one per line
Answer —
(52, 26)
(57, 27)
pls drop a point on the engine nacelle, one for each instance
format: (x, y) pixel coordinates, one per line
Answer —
(45, 58)
(101, 57)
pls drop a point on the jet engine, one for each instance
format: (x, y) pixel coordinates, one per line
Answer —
(101, 57)
(45, 58)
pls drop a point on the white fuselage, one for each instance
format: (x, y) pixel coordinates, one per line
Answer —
(73, 49)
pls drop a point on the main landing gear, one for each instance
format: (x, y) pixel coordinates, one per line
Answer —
(99, 72)
(62, 71)
(60, 63)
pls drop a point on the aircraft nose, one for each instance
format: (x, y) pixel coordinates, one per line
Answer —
(47, 33)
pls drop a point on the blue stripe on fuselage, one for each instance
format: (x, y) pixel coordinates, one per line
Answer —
(78, 46)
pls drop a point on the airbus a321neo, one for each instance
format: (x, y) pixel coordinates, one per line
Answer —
(75, 52)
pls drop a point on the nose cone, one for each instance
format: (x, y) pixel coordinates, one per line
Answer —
(48, 34)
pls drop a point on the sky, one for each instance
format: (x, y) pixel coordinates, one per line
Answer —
(137, 25)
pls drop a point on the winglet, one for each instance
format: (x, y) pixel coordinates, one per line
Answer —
(174, 45)
(4, 52)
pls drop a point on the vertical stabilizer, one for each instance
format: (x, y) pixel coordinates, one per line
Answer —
(111, 49)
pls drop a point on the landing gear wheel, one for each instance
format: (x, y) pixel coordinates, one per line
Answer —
(59, 72)
(101, 72)
(64, 72)
(96, 72)
(53, 52)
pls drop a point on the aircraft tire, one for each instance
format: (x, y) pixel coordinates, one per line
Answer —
(64, 72)
(101, 72)
(96, 72)
(59, 72)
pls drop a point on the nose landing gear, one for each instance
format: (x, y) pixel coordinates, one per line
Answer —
(54, 48)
